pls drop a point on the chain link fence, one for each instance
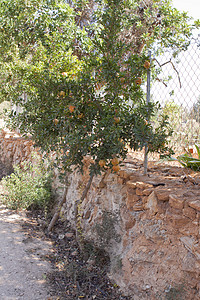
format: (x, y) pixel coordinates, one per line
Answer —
(176, 86)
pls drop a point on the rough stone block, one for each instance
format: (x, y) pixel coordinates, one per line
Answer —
(130, 191)
(179, 221)
(152, 203)
(131, 200)
(192, 245)
(162, 194)
(120, 180)
(189, 213)
(147, 192)
(190, 229)
(87, 214)
(176, 201)
(124, 174)
(138, 206)
(139, 192)
(125, 241)
(139, 177)
(195, 204)
(102, 184)
(143, 185)
(131, 185)
(130, 223)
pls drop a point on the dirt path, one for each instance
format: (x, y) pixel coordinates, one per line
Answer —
(22, 271)
(36, 266)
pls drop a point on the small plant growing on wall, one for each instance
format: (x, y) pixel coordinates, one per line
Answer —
(106, 231)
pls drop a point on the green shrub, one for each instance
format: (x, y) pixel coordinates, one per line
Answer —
(28, 187)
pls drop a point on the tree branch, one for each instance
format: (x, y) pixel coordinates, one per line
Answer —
(165, 63)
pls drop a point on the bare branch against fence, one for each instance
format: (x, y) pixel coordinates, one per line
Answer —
(165, 63)
(180, 95)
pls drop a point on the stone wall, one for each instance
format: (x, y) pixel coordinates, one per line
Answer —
(148, 225)
(14, 149)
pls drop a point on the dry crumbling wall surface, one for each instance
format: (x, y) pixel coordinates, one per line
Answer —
(14, 149)
(149, 225)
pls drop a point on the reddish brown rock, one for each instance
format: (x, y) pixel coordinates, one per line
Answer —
(189, 213)
(127, 218)
(190, 229)
(131, 200)
(124, 174)
(143, 185)
(138, 177)
(152, 203)
(162, 194)
(125, 241)
(198, 216)
(147, 192)
(189, 194)
(178, 221)
(87, 214)
(130, 192)
(176, 202)
(131, 185)
(137, 206)
(102, 184)
(195, 204)
(130, 223)
(120, 180)
(139, 192)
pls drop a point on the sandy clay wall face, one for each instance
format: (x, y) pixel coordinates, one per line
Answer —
(148, 225)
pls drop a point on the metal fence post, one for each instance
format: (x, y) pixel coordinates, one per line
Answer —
(147, 101)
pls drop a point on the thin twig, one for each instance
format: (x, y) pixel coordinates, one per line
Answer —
(160, 80)
(177, 73)
(165, 63)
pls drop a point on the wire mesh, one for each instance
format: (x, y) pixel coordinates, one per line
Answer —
(176, 86)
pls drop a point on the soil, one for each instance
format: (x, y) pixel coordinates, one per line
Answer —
(35, 265)
(79, 275)
(22, 271)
